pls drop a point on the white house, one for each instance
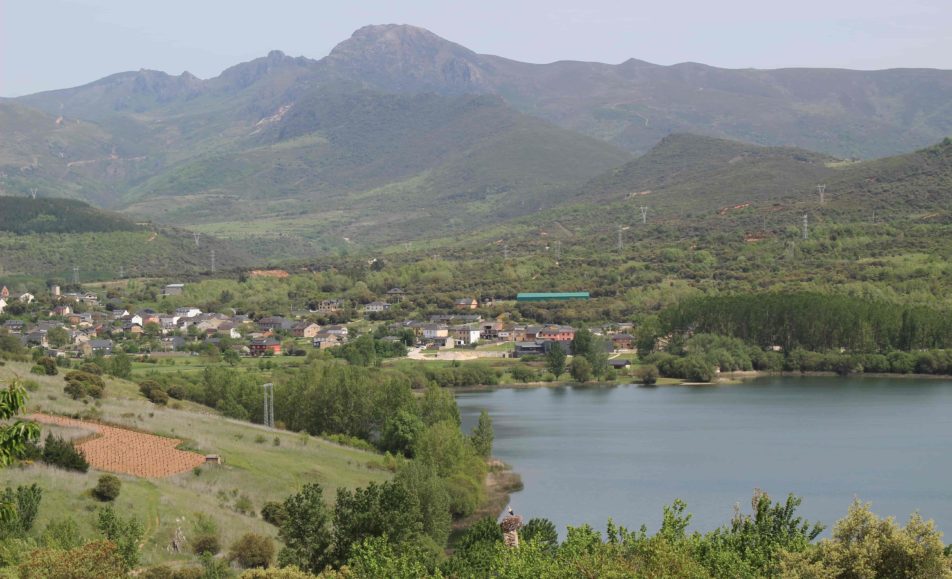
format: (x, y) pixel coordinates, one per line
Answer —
(435, 331)
(187, 312)
(464, 335)
(27, 298)
(3, 304)
(377, 307)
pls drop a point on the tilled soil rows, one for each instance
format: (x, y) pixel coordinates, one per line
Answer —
(127, 451)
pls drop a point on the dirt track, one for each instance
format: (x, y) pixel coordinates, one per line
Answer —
(127, 451)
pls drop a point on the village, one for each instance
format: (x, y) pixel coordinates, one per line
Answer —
(86, 324)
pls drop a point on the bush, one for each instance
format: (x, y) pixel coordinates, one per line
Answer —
(61, 453)
(273, 512)
(80, 384)
(91, 561)
(49, 366)
(205, 538)
(107, 489)
(252, 550)
(159, 397)
(647, 374)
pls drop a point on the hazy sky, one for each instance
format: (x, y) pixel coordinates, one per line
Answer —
(47, 44)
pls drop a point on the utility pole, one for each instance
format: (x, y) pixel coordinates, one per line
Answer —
(619, 238)
(821, 189)
(75, 274)
(122, 272)
(196, 235)
(505, 252)
(644, 214)
(213, 261)
(268, 405)
(558, 250)
(805, 230)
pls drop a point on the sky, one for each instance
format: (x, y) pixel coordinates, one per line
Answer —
(49, 44)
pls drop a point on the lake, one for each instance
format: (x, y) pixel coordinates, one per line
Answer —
(586, 454)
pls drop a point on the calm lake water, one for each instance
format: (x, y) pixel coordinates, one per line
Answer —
(586, 454)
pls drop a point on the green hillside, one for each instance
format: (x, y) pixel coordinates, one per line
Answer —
(46, 238)
(261, 471)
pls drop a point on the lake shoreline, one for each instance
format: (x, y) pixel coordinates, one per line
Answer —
(724, 378)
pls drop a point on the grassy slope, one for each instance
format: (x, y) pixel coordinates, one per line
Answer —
(260, 470)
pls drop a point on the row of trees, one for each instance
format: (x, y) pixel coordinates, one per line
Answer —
(812, 321)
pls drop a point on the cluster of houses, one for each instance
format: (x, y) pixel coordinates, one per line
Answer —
(97, 330)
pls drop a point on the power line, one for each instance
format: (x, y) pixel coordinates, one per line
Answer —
(268, 418)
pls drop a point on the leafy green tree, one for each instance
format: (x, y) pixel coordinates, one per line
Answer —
(107, 488)
(581, 369)
(231, 357)
(57, 336)
(400, 431)
(522, 373)
(14, 434)
(377, 557)
(385, 510)
(542, 531)
(422, 481)
(25, 502)
(252, 550)
(647, 374)
(124, 533)
(555, 360)
(306, 532)
(863, 545)
(438, 405)
(583, 343)
(483, 435)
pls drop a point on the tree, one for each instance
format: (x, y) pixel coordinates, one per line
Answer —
(120, 365)
(306, 531)
(555, 360)
(422, 481)
(57, 336)
(483, 435)
(252, 550)
(647, 374)
(231, 357)
(380, 510)
(14, 436)
(583, 343)
(581, 369)
(25, 501)
(107, 488)
(125, 533)
(91, 561)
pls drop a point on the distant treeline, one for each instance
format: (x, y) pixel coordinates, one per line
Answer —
(22, 215)
(812, 321)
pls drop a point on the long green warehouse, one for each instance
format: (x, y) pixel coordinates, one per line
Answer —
(551, 296)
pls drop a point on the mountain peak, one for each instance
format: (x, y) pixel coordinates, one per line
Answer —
(403, 58)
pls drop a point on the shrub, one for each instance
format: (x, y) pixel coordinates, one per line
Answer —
(38, 370)
(252, 550)
(80, 384)
(107, 489)
(49, 366)
(244, 505)
(159, 397)
(273, 512)
(61, 453)
(205, 537)
(91, 368)
(647, 374)
(91, 561)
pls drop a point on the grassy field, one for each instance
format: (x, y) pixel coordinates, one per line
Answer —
(260, 463)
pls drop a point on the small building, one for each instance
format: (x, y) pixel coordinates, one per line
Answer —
(264, 347)
(466, 304)
(214, 459)
(556, 334)
(305, 329)
(465, 335)
(4, 293)
(3, 305)
(272, 323)
(26, 298)
(103, 347)
(623, 341)
(14, 326)
(395, 295)
(619, 364)
(435, 331)
(550, 296)
(173, 289)
(322, 341)
(330, 306)
(187, 312)
(336, 330)
(528, 348)
(377, 307)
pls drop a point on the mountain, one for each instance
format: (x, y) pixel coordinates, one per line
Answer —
(399, 135)
(635, 104)
(47, 237)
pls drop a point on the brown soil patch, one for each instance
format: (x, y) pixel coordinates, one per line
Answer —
(126, 451)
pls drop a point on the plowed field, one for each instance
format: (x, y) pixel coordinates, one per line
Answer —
(127, 451)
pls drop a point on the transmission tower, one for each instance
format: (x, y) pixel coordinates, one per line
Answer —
(33, 192)
(75, 274)
(122, 272)
(268, 405)
(196, 235)
(213, 261)
(805, 230)
(505, 251)
(821, 190)
(644, 214)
